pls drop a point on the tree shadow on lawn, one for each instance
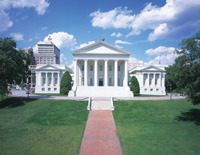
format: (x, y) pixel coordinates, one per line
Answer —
(193, 115)
(14, 102)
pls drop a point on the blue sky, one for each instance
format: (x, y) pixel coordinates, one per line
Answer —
(149, 29)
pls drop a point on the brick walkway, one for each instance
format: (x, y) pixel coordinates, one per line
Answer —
(100, 136)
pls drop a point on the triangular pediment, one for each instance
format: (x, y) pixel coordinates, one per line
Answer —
(101, 48)
(47, 67)
(150, 68)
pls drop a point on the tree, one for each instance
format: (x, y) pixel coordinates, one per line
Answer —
(185, 73)
(134, 86)
(14, 64)
(65, 84)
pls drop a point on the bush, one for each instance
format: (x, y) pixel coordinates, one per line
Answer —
(134, 86)
(65, 84)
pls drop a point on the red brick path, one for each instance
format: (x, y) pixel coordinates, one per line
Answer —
(100, 136)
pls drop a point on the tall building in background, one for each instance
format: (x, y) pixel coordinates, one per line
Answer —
(31, 54)
(48, 53)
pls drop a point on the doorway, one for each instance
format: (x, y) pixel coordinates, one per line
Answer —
(100, 81)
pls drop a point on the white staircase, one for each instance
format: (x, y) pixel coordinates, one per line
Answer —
(100, 104)
(88, 91)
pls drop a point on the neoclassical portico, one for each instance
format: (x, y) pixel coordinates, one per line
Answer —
(92, 73)
(151, 79)
(48, 78)
(101, 70)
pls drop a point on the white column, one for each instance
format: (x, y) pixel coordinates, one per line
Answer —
(126, 73)
(75, 73)
(153, 80)
(163, 80)
(96, 73)
(52, 79)
(116, 72)
(46, 79)
(85, 72)
(148, 79)
(106, 73)
(38, 76)
(160, 81)
(58, 83)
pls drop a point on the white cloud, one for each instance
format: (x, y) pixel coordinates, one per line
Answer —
(122, 42)
(39, 5)
(63, 59)
(164, 55)
(177, 19)
(60, 39)
(116, 18)
(17, 36)
(166, 59)
(5, 21)
(84, 45)
(160, 50)
(116, 34)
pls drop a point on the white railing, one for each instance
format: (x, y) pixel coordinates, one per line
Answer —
(89, 104)
(111, 102)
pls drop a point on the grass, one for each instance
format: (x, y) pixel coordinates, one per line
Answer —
(158, 127)
(43, 94)
(42, 126)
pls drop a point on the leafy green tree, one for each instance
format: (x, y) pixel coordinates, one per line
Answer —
(185, 73)
(65, 84)
(13, 64)
(134, 86)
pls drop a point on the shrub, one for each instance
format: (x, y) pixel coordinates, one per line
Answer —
(134, 86)
(65, 84)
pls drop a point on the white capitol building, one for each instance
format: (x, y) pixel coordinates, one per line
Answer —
(101, 70)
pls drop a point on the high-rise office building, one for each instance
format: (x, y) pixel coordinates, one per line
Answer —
(48, 53)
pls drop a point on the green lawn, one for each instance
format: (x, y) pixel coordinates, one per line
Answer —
(158, 127)
(41, 127)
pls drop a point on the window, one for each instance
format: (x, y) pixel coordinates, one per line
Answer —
(56, 81)
(110, 67)
(42, 89)
(91, 68)
(110, 81)
(101, 68)
(49, 89)
(157, 89)
(82, 67)
(118, 81)
(49, 82)
(118, 68)
(55, 89)
(43, 82)
(151, 89)
(91, 82)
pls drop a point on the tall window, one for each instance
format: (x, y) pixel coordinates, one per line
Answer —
(110, 67)
(91, 67)
(101, 68)
(118, 68)
(118, 81)
(110, 81)
(91, 81)
(82, 68)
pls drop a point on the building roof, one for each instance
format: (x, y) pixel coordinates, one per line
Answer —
(100, 48)
(52, 67)
(148, 68)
